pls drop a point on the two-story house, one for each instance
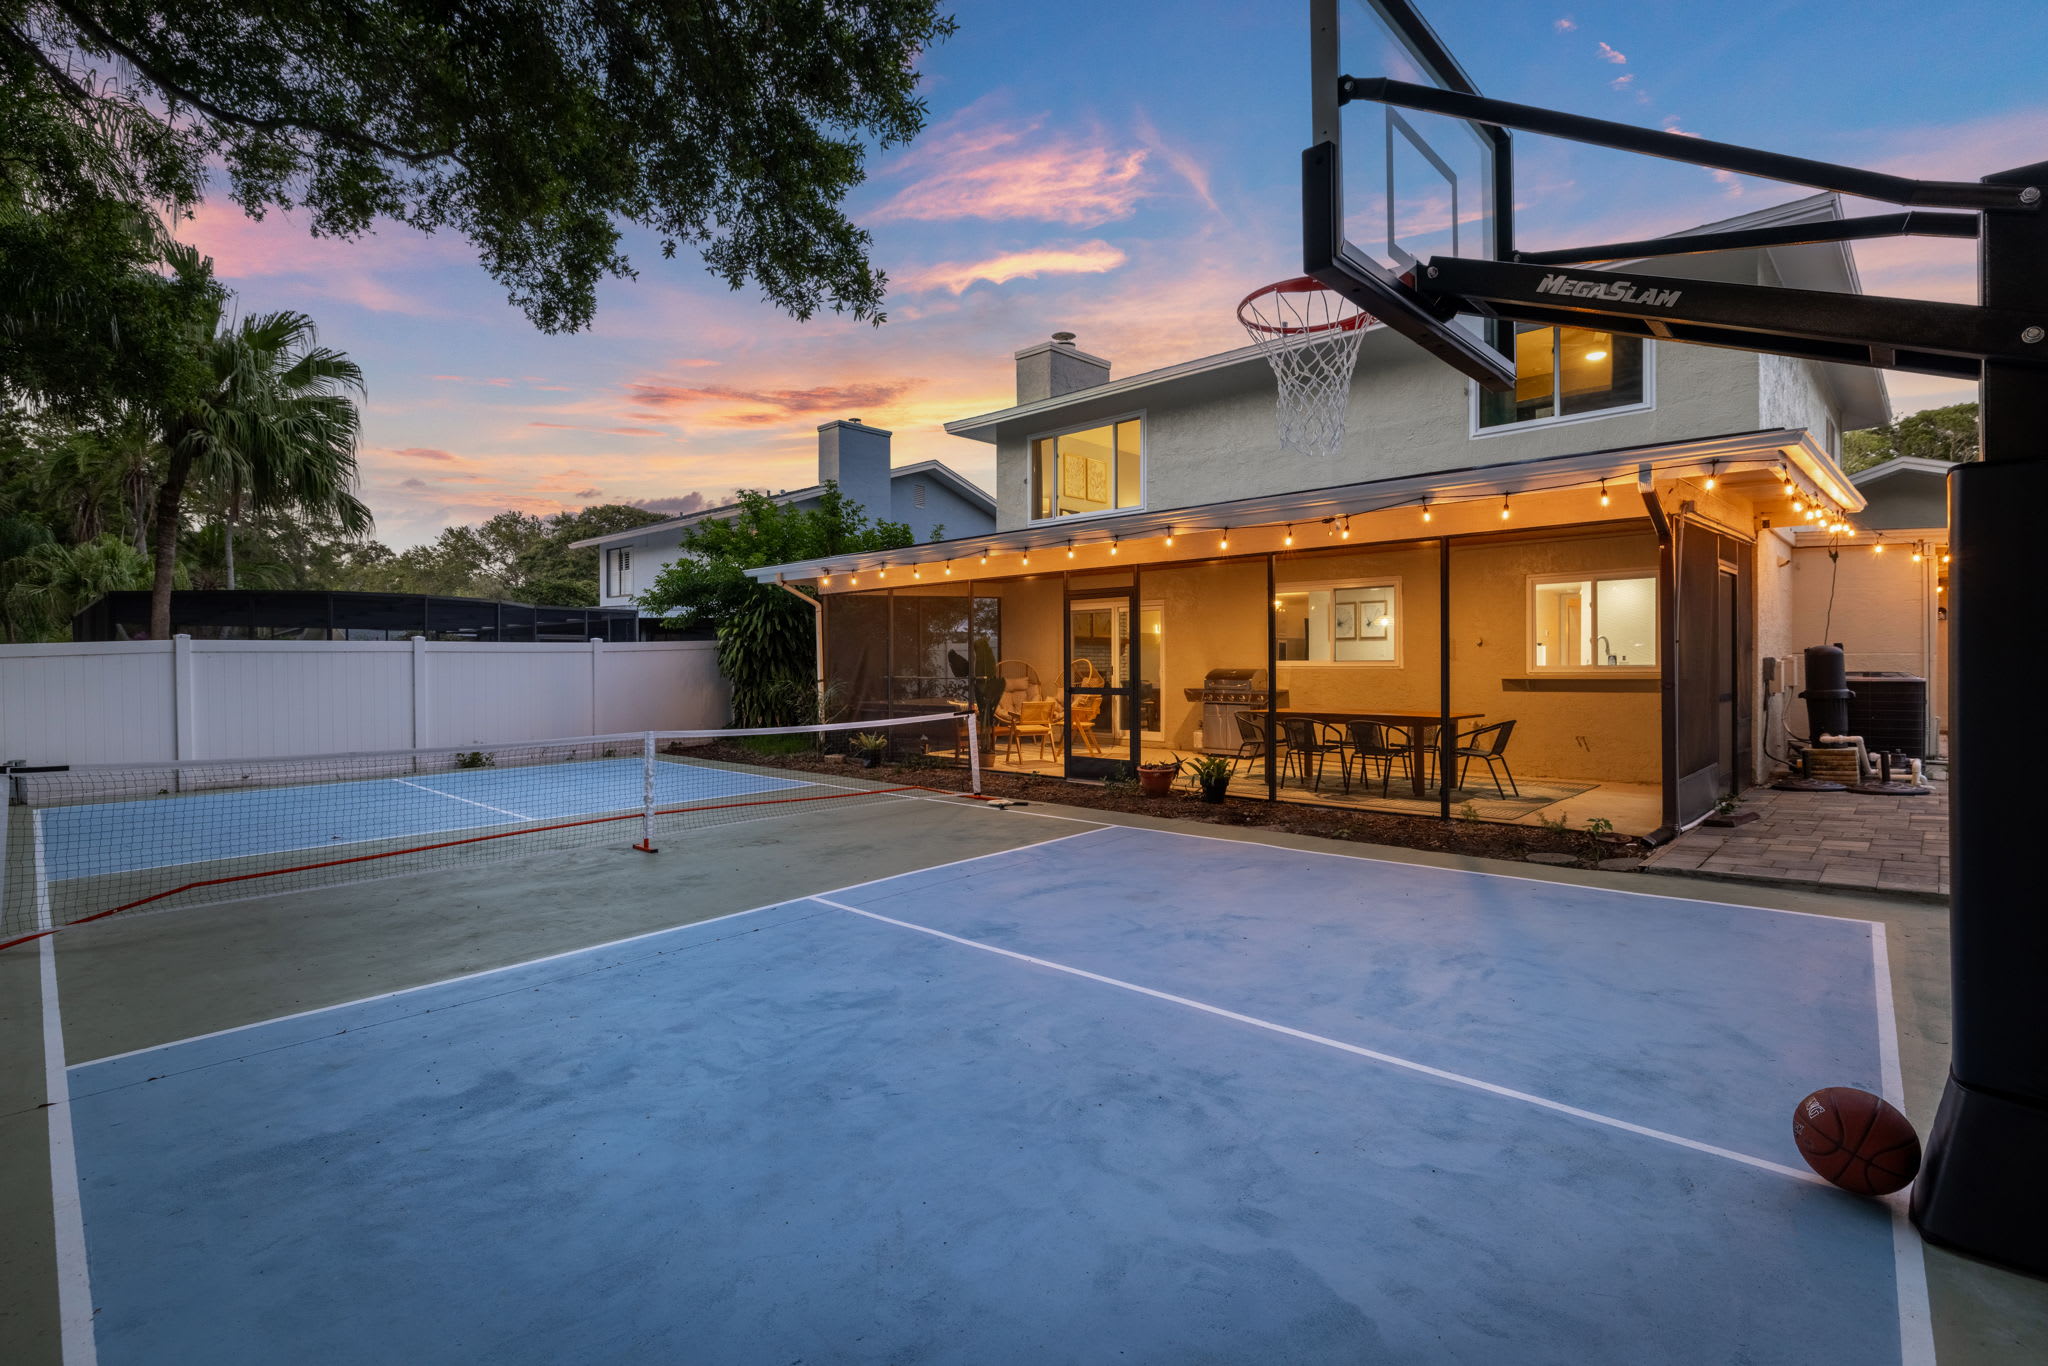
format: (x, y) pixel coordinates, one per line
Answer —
(1567, 579)
(929, 496)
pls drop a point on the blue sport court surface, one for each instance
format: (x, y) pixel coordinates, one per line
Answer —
(119, 837)
(1123, 1095)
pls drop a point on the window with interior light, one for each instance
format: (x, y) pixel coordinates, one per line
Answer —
(621, 576)
(1563, 373)
(1094, 470)
(1338, 623)
(1593, 623)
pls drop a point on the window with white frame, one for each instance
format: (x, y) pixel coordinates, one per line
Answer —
(1097, 469)
(1593, 623)
(1568, 372)
(618, 573)
(1338, 623)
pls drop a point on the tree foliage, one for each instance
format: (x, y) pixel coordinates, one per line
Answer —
(535, 128)
(513, 555)
(766, 637)
(1931, 434)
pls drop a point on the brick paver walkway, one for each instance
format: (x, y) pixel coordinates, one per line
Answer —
(1829, 839)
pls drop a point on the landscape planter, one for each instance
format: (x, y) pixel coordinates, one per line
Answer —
(1157, 782)
(1214, 792)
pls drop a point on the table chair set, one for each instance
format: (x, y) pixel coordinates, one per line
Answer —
(1310, 744)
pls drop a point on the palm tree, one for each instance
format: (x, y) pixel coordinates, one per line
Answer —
(101, 479)
(52, 583)
(274, 424)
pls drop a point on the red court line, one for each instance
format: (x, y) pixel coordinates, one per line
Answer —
(451, 844)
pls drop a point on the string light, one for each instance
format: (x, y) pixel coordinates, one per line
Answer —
(1504, 513)
(1713, 470)
(1786, 475)
(853, 580)
(984, 554)
(1027, 559)
(1878, 549)
(1070, 550)
(1427, 515)
(917, 571)
(1798, 506)
(1112, 545)
(883, 572)
(1916, 554)
(1290, 535)
(825, 579)
(949, 569)
(1346, 535)
(1169, 536)
(1224, 544)
(1604, 499)
(1944, 557)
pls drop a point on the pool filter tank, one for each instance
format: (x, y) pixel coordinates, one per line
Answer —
(1827, 691)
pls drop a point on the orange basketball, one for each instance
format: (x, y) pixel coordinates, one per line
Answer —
(1856, 1140)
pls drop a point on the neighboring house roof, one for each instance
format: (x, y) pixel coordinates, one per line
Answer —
(1769, 448)
(1858, 391)
(1902, 464)
(936, 470)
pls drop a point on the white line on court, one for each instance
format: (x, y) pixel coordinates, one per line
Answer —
(74, 1282)
(547, 958)
(1916, 1318)
(515, 815)
(1407, 1064)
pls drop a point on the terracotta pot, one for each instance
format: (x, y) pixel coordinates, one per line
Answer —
(1157, 782)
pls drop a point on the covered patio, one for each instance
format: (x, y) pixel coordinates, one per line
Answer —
(1510, 628)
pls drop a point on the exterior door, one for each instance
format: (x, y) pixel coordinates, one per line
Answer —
(1102, 684)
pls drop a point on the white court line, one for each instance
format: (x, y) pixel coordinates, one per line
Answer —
(74, 1279)
(515, 815)
(1407, 1064)
(530, 962)
(1916, 1317)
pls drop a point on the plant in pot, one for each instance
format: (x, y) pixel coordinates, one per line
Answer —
(1155, 776)
(1212, 774)
(869, 746)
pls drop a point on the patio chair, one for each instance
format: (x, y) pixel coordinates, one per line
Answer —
(1402, 740)
(1083, 717)
(1489, 744)
(1030, 721)
(1084, 673)
(1370, 744)
(1251, 737)
(1308, 742)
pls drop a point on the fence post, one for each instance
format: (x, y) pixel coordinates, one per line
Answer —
(646, 844)
(184, 699)
(422, 693)
(597, 686)
(973, 755)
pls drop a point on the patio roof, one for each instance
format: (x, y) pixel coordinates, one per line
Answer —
(1767, 448)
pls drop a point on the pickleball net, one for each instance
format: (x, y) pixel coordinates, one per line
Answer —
(91, 842)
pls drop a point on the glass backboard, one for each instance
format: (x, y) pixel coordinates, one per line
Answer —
(1386, 188)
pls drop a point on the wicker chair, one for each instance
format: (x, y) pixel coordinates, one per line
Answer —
(1030, 721)
(1087, 709)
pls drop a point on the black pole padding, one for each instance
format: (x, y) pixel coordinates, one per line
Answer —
(1983, 1188)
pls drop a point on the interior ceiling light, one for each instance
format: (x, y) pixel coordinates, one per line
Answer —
(1596, 355)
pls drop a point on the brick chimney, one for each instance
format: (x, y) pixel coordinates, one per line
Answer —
(1057, 367)
(857, 457)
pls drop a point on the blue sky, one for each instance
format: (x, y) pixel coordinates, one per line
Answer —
(1126, 172)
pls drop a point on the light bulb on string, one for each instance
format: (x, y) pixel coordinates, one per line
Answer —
(1070, 550)
(1289, 540)
(1112, 545)
(1605, 501)
(1224, 544)
(1504, 511)
(1169, 536)
(1345, 534)
(1427, 515)
(1713, 477)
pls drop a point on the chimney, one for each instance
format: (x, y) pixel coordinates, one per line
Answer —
(1057, 367)
(856, 456)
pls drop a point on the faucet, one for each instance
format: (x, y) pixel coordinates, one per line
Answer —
(1606, 649)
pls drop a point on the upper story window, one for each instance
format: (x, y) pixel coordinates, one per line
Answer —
(1568, 372)
(619, 573)
(1593, 622)
(1100, 469)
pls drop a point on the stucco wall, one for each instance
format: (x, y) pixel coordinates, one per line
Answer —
(1790, 394)
(1215, 618)
(1885, 615)
(943, 507)
(1777, 638)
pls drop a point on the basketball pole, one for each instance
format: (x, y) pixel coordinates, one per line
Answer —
(1983, 1188)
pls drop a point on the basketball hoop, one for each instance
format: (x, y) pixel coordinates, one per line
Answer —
(1309, 334)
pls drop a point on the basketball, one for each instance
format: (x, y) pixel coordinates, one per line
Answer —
(1858, 1141)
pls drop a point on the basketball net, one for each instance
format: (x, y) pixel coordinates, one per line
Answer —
(1309, 334)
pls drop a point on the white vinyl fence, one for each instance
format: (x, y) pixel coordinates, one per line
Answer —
(149, 701)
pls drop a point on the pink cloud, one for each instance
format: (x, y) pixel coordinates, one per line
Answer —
(1608, 54)
(1088, 258)
(430, 453)
(1565, 25)
(1008, 172)
(772, 405)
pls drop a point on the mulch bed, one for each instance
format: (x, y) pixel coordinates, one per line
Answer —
(1481, 839)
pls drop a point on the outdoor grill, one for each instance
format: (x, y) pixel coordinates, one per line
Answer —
(1223, 694)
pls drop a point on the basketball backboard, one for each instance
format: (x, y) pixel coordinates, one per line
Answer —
(1385, 188)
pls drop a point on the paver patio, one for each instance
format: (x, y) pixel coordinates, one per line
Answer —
(1827, 839)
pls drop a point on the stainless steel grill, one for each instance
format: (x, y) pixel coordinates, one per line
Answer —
(1223, 694)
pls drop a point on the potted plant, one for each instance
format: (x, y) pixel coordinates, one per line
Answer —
(869, 746)
(1155, 776)
(1212, 775)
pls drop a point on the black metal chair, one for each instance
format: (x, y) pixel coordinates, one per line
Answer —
(1251, 737)
(1404, 740)
(1370, 744)
(1488, 744)
(1308, 742)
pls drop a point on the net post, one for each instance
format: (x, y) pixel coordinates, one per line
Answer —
(646, 844)
(973, 755)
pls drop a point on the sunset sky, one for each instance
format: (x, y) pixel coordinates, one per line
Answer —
(1126, 172)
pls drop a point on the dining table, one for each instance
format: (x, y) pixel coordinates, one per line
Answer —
(1409, 723)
